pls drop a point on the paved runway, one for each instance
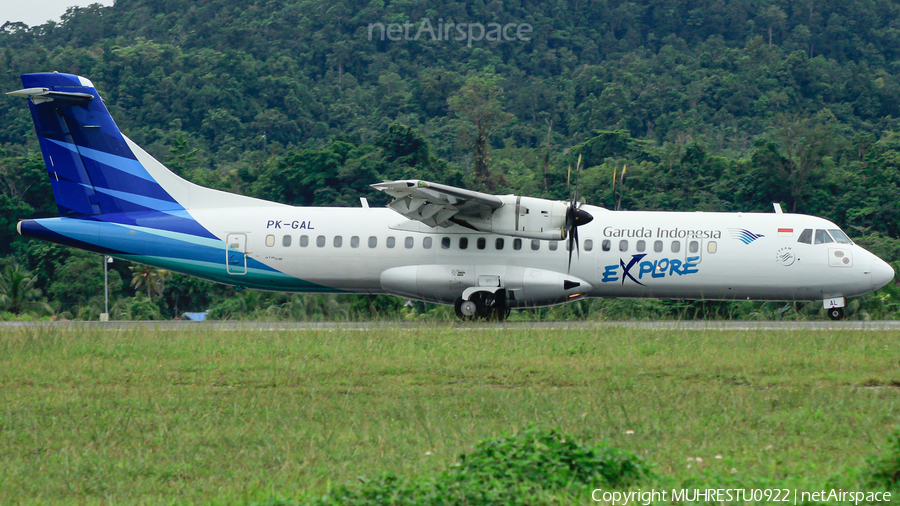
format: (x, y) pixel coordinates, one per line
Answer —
(886, 325)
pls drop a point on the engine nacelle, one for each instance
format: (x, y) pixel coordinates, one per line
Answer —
(528, 217)
(525, 286)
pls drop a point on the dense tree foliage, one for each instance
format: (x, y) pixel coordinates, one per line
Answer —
(712, 105)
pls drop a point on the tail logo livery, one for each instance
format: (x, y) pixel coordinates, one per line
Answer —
(116, 199)
(743, 235)
(92, 169)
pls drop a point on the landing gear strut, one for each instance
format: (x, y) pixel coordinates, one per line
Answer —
(483, 305)
(836, 313)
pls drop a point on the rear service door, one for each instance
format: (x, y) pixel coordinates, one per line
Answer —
(236, 254)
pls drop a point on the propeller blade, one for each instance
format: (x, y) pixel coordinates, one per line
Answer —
(570, 231)
(571, 241)
(569, 179)
(621, 188)
(577, 250)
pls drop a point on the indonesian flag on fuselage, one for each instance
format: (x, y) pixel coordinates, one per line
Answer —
(785, 232)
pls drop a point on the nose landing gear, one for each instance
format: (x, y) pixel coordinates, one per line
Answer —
(835, 307)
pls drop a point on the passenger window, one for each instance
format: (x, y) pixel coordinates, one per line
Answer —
(517, 244)
(373, 241)
(463, 242)
(657, 246)
(640, 246)
(498, 244)
(445, 243)
(304, 241)
(270, 240)
(391, 242)
(320, 241)
(676, 246)
(840, 236)
(338, 241)
(588, 244)
(409, 242)
(426, 243)
(606, 245)
(481, 242)
(535, 244)
(354, 241)
(286, 241)
(822, 237)
(694, 246)
(712, 247)
(806, 236)
(553, 245)
(623, 245)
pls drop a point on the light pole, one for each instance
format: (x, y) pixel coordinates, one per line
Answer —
(106, 261)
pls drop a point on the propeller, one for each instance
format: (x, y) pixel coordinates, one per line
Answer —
(575, 216)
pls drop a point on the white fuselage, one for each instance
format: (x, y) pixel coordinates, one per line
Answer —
(702, 255)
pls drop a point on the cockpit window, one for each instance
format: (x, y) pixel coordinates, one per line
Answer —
(822, 237)
(806, 236)
(840, 236)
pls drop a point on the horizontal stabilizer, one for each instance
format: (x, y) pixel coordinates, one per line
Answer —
(41, 95)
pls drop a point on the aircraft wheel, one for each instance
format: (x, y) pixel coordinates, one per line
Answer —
(466, 309)
(836, 313)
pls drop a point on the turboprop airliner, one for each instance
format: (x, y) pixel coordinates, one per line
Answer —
(485, 254)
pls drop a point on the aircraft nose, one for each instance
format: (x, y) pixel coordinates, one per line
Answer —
(882, 272)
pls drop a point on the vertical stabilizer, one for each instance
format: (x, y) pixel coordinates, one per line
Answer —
(92, 166)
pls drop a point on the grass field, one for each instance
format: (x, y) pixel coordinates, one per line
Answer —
(232, 417)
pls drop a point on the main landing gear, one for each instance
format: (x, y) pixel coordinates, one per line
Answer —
(483, 305)
(836, 313)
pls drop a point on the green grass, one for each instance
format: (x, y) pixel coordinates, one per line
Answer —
(225, 417)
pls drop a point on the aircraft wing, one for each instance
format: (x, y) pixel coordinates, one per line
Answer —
(438, 205)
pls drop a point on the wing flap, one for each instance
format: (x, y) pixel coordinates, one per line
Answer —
(435, 204)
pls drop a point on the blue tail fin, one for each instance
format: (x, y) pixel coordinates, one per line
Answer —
(92, 166)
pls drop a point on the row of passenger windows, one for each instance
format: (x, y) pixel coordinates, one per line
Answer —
(409, 242)
(824, 236)
(675, 246)
(481, 243)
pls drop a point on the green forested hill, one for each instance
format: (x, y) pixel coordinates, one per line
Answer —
(712, 104)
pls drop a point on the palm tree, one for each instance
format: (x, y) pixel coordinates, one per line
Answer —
(17, 291)
(149, 278)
